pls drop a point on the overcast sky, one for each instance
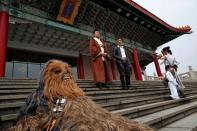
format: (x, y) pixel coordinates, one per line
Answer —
(176, 13)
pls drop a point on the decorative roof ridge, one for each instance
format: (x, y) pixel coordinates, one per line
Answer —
(185, 29)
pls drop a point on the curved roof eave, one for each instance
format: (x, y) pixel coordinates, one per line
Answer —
(183, 30)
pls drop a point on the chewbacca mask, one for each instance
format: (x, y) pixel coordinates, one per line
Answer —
(60, 105)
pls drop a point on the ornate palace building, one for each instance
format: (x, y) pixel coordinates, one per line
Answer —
(34, 31)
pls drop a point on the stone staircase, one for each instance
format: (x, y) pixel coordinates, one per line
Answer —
(146, 101)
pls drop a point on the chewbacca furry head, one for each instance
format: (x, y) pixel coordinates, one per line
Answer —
(60, 105)
(58, 81)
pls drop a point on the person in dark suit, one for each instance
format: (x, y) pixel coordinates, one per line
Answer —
(123, 64)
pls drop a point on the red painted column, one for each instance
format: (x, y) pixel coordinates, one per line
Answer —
(81, 68)
(137, 65)
(157, 66)
(112, 63)
(4, 22)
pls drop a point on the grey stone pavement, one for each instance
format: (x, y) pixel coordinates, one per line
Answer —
(187, 124)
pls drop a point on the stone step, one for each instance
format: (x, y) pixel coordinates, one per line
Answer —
(108, 105)
(26, 83)
(11, 105)
(118, 104)
(85, 87)
(89, 91)
(110, 98)
(26, 79)
(18, 87)
(113, 85)
(188, 123)
(99, 99)
(147, 97)
(130, 87)
(90, 81)
(16, 79)
(81, 84)
(6, 98)
(139, 90)
(10, 83)
(167, 116)
(137, 111)
(8, 107)
(18, 84)
(35, 87)
(92, 92)
(8, 117)
(128, 95)
(122, 104)
(16, 91)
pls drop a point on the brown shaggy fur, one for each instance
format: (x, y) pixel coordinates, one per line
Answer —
(79, 114)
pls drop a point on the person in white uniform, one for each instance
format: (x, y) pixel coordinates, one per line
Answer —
(172, 83)
(169, 60)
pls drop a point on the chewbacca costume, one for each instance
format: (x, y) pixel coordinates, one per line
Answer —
(60, 105)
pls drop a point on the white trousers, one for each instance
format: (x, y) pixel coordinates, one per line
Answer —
(173, 91)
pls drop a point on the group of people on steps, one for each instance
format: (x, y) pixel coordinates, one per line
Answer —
(101, 71)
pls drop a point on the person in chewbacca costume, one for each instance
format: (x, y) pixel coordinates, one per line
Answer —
(60, 105)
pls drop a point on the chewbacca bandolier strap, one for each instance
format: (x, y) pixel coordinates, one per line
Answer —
(57, 113)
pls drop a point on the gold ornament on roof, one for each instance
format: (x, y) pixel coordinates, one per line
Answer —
(184, 27)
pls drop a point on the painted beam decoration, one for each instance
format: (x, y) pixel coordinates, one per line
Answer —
(68, 11)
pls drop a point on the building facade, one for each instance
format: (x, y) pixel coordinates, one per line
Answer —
(33, 32)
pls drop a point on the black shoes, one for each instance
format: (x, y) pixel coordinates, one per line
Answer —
(98, 85)
(125, 87)
(182, 96)
(102, 85)
(105, 85)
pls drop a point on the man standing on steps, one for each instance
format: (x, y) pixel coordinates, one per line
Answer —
(123, 63)
(99, 61)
